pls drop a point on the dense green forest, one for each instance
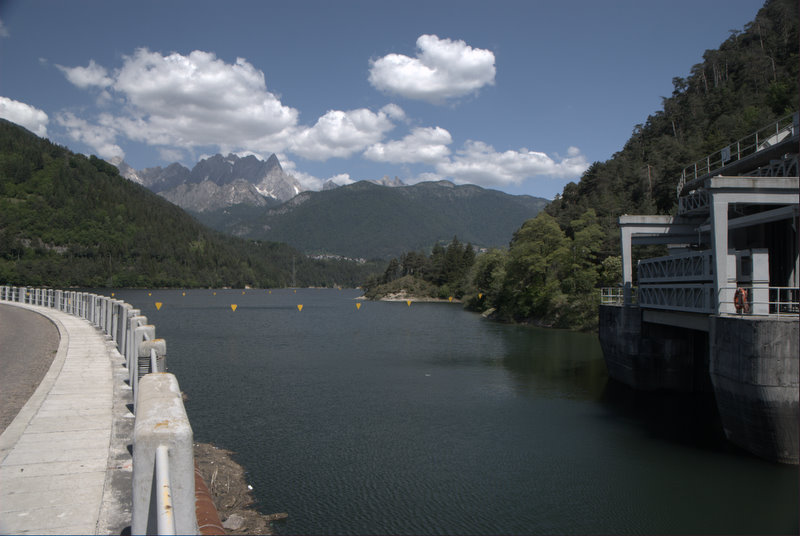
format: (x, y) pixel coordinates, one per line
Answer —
(442, 274)
(554, 263)
(372, 221)
(749, 81)
(68, 220)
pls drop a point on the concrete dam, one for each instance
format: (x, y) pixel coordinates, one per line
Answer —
(719, 312)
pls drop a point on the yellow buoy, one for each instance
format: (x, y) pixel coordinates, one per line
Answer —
(242, 293)
(158, 305)
(358, 306)
(149, 293)
(295, 291)
(184, 294)
(112, 294)
(408, 302)
(299, 306)
(215, 294)
(233, 307)
(270, 292)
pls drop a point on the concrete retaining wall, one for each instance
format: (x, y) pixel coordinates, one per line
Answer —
(756, 378)
(652, 356)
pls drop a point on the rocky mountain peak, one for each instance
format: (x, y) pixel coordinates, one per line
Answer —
(386, 181)
(236, 180)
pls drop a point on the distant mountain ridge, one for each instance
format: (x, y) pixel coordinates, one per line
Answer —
(218, 182)
(369, 220)
(67, 220)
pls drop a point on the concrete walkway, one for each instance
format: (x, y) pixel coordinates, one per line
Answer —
(63, 458)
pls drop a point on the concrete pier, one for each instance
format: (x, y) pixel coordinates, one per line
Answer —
(749, 363)
(651, 356)
(754, 369)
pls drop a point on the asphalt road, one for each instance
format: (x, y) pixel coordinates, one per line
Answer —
(28, 343)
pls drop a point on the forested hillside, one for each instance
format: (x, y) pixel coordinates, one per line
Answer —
(555, 262)
(550, 273)
(750, 80)
(374, 221)
(68, 220)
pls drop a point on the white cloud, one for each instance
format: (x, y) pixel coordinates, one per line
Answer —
(342, 179)
(188, 101)
(443, 69)
(199, 100)
(170, 155)
(341, 134)
(3, 30)
(196, 100)
(424, 145)
(100, 138)
(479, 163)
(84, 77)
(24, 115)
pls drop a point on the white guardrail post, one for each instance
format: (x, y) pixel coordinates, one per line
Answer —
(163, 450)
(161, 421)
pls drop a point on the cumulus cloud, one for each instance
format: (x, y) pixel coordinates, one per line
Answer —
(442, 69)
(308, 181)
(197, 100)
(84, 77)
(342, 133)
(479, 163)
(100, 138)
(188, 101)
(24, 115)
(424, 145)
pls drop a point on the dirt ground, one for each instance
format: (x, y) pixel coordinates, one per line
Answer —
(226, 482)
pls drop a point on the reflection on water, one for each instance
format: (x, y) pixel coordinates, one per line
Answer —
(431, 420)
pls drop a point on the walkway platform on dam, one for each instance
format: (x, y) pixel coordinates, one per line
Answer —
(64, 463)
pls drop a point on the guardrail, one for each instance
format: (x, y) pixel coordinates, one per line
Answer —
(616, 296)
(765, 301)
(163, 449)
(700, 298)
(762, 139)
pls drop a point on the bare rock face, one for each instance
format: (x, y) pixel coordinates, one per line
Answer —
(218, 182)
(209, 196)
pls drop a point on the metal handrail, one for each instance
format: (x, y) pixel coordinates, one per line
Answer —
(761, 139)
(164, 509)
(616, 295)
(781, 301)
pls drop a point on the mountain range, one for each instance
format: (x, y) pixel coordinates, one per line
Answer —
(256, 199)
(369, 220)
(218, 182)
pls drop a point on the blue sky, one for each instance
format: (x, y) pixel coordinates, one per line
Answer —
(519, 96)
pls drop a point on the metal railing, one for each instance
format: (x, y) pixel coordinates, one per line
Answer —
(616, 296)
(758, 141)
(166, 519)
(763, 301)
(162, 442)
(702, 298)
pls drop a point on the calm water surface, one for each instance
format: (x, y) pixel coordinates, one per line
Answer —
(427, 419)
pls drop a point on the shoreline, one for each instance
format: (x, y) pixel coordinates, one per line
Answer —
(404, 297)
(231, 494)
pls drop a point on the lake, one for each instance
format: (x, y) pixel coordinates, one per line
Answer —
(427, 419)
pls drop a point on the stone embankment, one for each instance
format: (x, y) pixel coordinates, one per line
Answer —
(231, 493)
